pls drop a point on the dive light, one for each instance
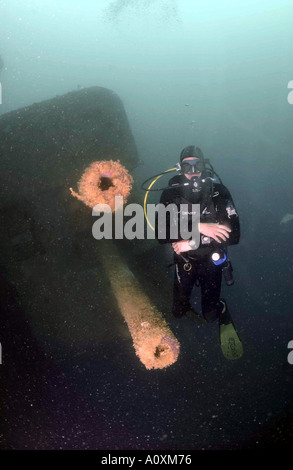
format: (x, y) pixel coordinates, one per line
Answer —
(220, 258)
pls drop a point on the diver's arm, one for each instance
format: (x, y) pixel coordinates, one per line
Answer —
(216, 231)
(227, 215)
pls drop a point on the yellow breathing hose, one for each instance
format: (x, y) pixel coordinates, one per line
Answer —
(147, 193)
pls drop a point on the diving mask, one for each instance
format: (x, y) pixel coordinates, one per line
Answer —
(192, 166)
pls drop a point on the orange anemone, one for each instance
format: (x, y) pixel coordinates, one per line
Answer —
(102, 181)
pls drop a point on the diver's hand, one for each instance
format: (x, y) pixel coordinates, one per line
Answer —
(216, 231)
(181, 246)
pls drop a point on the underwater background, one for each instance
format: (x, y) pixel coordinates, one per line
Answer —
(210, 73)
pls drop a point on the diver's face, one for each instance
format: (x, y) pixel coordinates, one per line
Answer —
(191, 165)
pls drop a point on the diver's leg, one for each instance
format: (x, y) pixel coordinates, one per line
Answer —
(224, 317)
(183, 284)
(210, 277)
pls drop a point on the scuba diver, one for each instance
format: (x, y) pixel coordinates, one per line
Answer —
(204, 264)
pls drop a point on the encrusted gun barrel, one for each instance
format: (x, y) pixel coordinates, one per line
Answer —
(154, 342)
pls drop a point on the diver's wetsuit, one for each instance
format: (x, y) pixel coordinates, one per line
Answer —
(216, 206)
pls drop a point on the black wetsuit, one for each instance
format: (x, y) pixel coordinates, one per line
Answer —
(216, 206)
